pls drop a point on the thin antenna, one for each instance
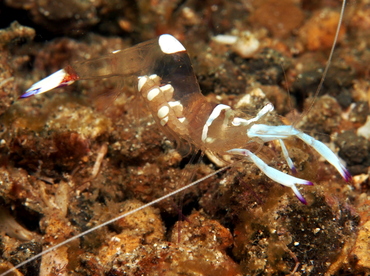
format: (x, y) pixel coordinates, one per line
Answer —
(111, 221)
(327, 64)
(287, 87)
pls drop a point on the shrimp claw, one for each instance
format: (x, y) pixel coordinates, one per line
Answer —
(268, 133)
(276, 175)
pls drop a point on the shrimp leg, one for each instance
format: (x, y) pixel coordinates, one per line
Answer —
(268, 133)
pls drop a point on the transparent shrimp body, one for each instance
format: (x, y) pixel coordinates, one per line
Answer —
(168, 85)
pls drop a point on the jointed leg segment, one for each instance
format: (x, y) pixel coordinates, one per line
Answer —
(274, 174)
(268, 133)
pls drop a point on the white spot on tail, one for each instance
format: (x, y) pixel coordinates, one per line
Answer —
(167, 91)
(173, 104)
(164, 121)
(170, 45)
(176, 107)
(167, 87)
(142, 81)
(163, 111)
(182, 119)
(152, 94)
(154, 77)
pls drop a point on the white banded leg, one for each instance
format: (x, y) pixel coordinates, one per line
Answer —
(214, 115)
(240, 121)
(268, 133)
(274, 174)
(325, 152)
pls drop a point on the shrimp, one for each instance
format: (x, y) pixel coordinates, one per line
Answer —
(167, 84)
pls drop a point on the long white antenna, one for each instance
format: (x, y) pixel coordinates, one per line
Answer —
(319, 87)
(111, 221)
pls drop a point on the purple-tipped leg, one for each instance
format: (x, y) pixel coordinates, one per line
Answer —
(274, 174)
(269, 133)
(325, 152)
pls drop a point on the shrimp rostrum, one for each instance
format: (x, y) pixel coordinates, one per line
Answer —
(168, 85)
